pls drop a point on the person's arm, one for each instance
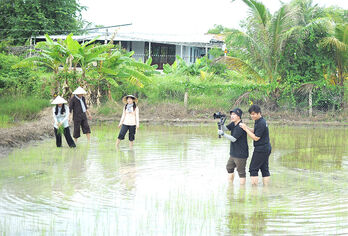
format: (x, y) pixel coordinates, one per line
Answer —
(252, 135)
(122, 118)
(67, 113)
(71, 107)
(251, 129)
(229, 137)
(88, 114)
(227, 128)
(224, 128)
(87, 111)
(249, 132)
(137, 117)
(54, 116)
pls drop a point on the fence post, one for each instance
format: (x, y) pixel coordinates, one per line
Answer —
(31, 42)
(186, 99)
(310, 93)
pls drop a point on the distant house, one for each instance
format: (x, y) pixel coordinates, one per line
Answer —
(162, 48)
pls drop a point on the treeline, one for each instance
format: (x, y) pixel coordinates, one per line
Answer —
(20, 19)
(301, 50)
(294, 59)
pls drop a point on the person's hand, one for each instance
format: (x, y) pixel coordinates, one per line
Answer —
(59, 124)
(90, 117)
(243, 126)
(119, 126)
(220, 132)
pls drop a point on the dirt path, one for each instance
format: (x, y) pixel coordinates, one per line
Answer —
(17, 136)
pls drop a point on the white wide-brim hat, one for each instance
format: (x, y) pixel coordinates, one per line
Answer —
(79, 90)
(58, 100)
(124, 99)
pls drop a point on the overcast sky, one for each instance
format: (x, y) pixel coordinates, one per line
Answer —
(176, 17)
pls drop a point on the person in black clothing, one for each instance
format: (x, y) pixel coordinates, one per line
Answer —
(262, 146)
(239, 150)
(79, 109)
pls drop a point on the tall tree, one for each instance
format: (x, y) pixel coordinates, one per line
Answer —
(265, 35)
(337, 43)
(20, 19)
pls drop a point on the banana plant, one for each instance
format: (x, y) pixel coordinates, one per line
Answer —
(120, 66)
(49, 54)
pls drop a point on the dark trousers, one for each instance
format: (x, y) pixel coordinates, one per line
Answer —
(84, 125)
(259, 161)
(123, 131)
(67, 135)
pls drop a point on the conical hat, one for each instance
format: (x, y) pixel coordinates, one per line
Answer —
(80, 90)
(59, 100)
(124, 99)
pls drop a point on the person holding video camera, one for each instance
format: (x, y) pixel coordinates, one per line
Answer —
(239, 150)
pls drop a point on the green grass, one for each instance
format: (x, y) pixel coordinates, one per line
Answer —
(109, 108)
(20, 108)
(5, 121)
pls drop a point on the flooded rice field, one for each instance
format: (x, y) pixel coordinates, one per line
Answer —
(174, 182)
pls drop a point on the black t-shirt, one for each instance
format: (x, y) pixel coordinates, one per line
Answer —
(239, 148)
(76, 108)
(261, 131)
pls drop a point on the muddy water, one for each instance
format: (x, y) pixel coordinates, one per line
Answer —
(174, 183)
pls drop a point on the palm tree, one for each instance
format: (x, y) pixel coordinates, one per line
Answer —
(338, 45)
(265, 36)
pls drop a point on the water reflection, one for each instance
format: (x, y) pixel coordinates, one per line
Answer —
(312, 148)
(174, 182)
(247, 210)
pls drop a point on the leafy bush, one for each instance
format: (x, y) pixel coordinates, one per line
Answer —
(21, 81)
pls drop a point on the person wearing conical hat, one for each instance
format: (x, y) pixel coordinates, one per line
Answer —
(79, 110)
(60, 116)
(129, 121)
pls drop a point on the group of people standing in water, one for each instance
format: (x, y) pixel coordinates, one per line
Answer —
(239, 150)
(77, 111)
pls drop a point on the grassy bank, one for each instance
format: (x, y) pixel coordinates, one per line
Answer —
(15, 109)
(162, 111)
(203, 92)
(164, 97)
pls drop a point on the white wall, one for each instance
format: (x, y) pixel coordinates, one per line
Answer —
(138, 48)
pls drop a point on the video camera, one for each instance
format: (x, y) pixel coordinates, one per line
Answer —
(222, 117)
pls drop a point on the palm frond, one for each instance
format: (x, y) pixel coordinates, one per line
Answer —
(135, 81)
(341, 33)
(136, 74)
(333, 42)
(89, 42)
(112, 82)
(259, 11)
(240, 66)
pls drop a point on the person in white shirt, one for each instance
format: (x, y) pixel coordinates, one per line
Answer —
(129, 120)
(60, 116)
